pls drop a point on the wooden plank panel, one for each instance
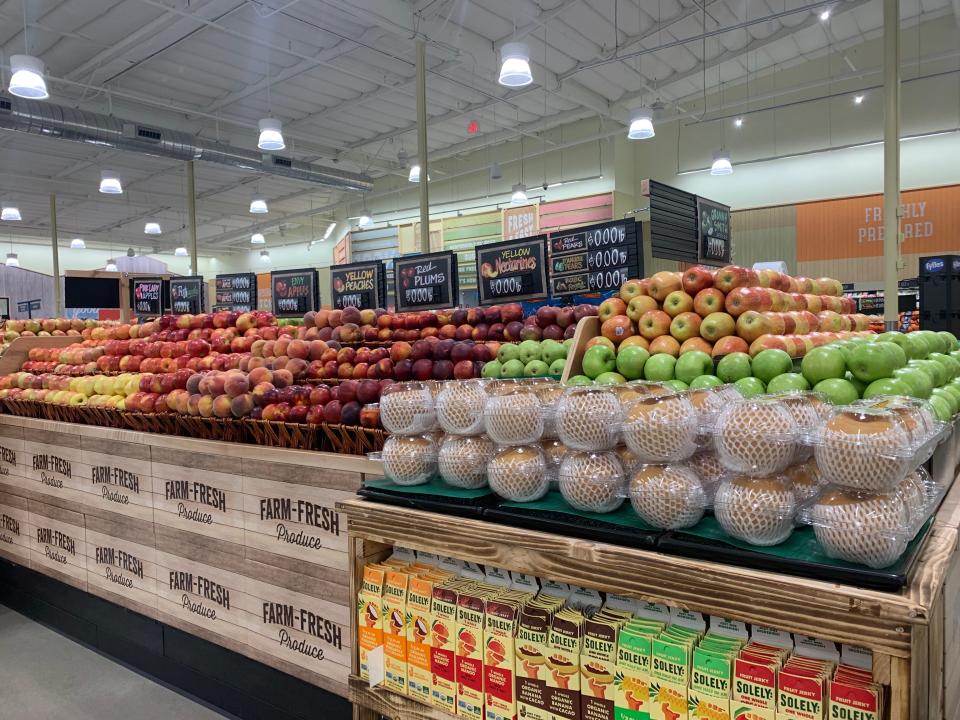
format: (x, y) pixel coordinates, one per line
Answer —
(58, 547)
(579, 203)
(15, 534)
(12, 457)
(52, 468)
(576, 218)
(314, 474)
(951, 641)
(118, 483)
(122, 570)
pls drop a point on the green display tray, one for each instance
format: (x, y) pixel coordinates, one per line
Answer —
(434, 496)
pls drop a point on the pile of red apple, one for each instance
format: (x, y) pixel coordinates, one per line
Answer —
(733, 309)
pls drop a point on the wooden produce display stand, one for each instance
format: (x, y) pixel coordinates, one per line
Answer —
(237, 544)
(914, 634)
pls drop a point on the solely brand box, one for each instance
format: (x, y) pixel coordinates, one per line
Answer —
(670, 673)
(755, 686)
(632, 700)
(443, 612)
(598, 666)
(419, 676)
(471, 614)
(533, 628)
(499, 662)
(800, 694)
(564, 644)
(710, 679)
(369, 611)
(395, 631)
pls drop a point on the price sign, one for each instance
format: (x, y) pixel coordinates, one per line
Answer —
(359, 285)
(236, 292)
(513, 270)
(594, 259)
(713, 242)
(187, 295)
(295, 292)
(147, 296)
(426, 282)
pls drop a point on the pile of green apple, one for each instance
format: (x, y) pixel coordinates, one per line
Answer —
(529, 358)
(922, 364)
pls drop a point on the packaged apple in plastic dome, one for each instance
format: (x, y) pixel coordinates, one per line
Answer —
(592, 481)
(661, 428)
(756, 510)
(805, 406)
(459, 407)
(462, 460)
(667, 497)
(806, 480)
(549, 394)
(407, 408)
(920, 419)
(756, 436)
(865, 449)
(710, 401)
(513, 413)
(518, 473)
(872, 529)
(409, 459)
(589, 418)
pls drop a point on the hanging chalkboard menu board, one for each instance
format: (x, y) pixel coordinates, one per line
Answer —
(359, 285)
(236, 292)
(513, 270)
(295, 292)
(713, 220)
(594, 259)
(187, 295)
(426, 282)
(147, 296)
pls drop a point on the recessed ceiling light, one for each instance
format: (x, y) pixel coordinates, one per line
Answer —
(515, 65)
(738, 122)
(181, 252)
(257, 239)
(78, 244)
(271, 135)
(151, 228)
(10, 213)
(13, 260)
(110, 184)
(721, 163)
(26, 79)
(857, 99)
(825, 15)
(519, 195)
(258, 206)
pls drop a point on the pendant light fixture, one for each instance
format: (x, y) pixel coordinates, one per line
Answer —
(265, 256)
(641, 125)
(495, 172)
(181, 252)
(515, 65)
(414, 175)
(365, 218)
(258, 206)
(151, 228)
(13, 260)
(78, 244)
(26, 79)
(10, 213)
(111, 265)
(721, 163)
(257, 239)
(131, 252)
(110, 184)
(271, 135)
(519, 196)
(330, 228)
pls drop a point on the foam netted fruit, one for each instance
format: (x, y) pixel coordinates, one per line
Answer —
(708, 468)
(554, 452)
(866, 528)
(588, 418)
(408, 408)
(667, 497)
(806, 480)
(709, 402)
(513, 414)
(915, 490)
(864, 449)
(661, 428)
(409, 459)
(919, 420)
(804, 408)
(460, 407)
(518, 473)
(549, 394)
(628, 459)
(592, 482)
(757, 510)
(462, 460)
(756, 437)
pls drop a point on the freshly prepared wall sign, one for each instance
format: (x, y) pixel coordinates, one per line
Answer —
(294, 292)
(187, 295)
(714, 231)
(147, 294)
(512, 270)
(595, 258)
(426, 282)
(360, 285)
(236, 292)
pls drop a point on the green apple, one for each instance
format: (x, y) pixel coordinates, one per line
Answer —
(897, 337)
(678, 385)
(886, 386)
(955, 354)
(937, 343)
(951, 364)
(916, 346)
(837, 391)
(568, 344)
(750, 386)
(579, 380)
(557, 366)
(598, 359)
(942, 407)
(529, 350)
(701, 382)
(769, 363)
(845, 347)
(659, 367)
(788, 382)
(692, 365)
(953, 390)
(919, 381)
(512, 369)
(551, 350)
(536, 368)
(897, 354)
(950, 339)
(873, 361)
(949, 397)
(823, 363)
(630, 361)
(937, 371)
(507, 352)
(491, 369)
(733, 367)
(610, 378)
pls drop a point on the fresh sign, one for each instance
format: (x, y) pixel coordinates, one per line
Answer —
(426, 282)
(360, 285)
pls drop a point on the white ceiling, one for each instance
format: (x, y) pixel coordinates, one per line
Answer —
(341, 77)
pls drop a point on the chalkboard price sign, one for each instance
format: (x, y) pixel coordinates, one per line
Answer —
(295, 292)
(594, 259)
(426, 282)
(359, 285)
(187, 295)
(147, 296)
(236, 292)
(713, 220)
(513, 270)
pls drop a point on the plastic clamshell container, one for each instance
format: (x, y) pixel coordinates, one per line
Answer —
(667, 497)
(459, 407)
(592, 481)
(709, 402)
(756, 436)
(661, 428)
(756, 510)
(513, 414)
(807, 408)
(588, 418)
(872, 529)
(462, 460)
(806, 480)
(926, 431)
(518, 473)
(408, 408)
(409, 459)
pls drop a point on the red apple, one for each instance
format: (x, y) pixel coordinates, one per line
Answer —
(617, 328)
(729, 344)
(709, 300)
(663, 283)
(685, 325)
(677, 302)
(696, 279)
(733, 276)
(752, 325)
(653, 324)
(611, 307)
(717, 325)
(665, 344)
(631, 289)
(741, 299)
(695, 343)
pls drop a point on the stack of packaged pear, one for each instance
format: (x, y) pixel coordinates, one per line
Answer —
(489, 644)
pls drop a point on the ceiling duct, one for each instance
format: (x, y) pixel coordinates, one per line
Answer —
(66, 123)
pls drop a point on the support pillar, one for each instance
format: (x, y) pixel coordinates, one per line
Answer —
(422, 146)
(55, 247)
(192, 216)
(891, 160)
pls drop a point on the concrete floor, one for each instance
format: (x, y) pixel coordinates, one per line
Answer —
(45, 675)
